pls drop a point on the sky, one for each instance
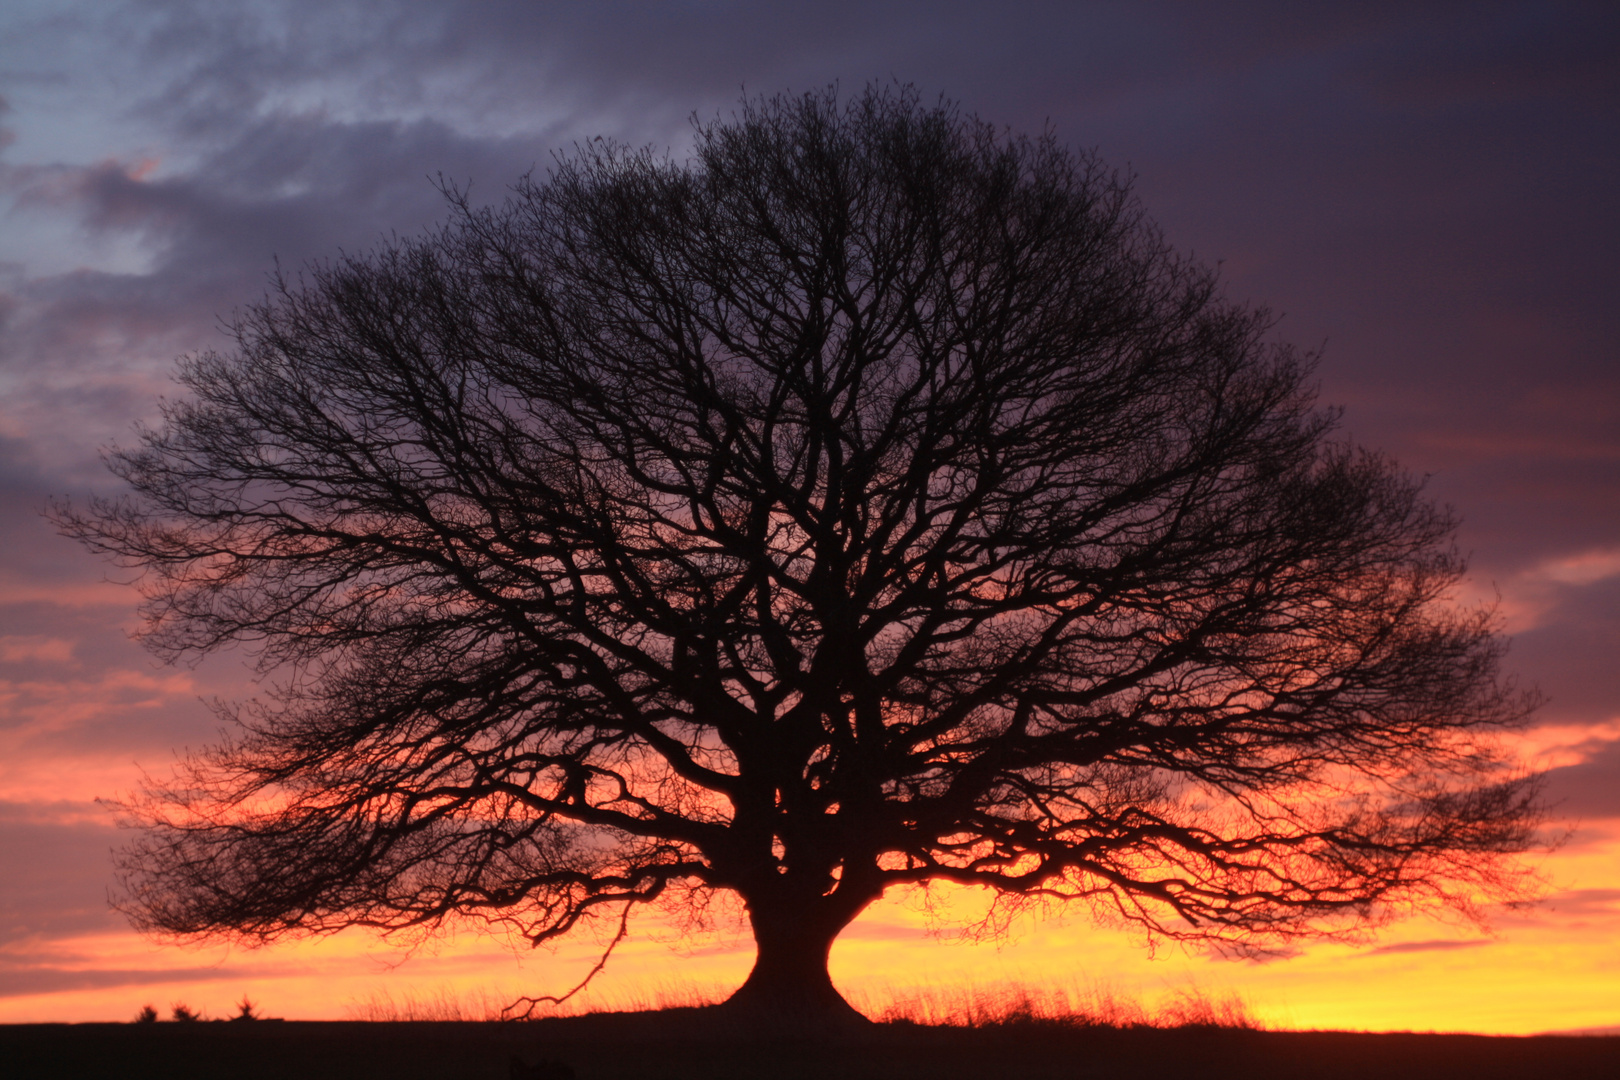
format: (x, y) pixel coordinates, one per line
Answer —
(1424, 192)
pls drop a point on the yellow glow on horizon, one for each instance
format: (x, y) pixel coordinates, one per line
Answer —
(1545, 969)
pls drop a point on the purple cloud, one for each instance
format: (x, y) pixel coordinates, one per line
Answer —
(1590, 789)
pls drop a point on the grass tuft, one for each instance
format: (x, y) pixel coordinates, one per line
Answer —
(995, 1005)
(1007, 1004)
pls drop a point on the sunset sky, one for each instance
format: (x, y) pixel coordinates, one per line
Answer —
(1425, 192)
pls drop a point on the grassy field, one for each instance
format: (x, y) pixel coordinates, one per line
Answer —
(693, 1044)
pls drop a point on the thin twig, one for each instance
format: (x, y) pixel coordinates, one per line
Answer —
(529, 1003)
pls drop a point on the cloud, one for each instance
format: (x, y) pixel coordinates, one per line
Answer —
(1590, 789)
(886, 931)
(35, 649)
(1437, 945)
(1573, 653)
(56, 876)
(1578, 903)
(24, 980)
(1584, 568)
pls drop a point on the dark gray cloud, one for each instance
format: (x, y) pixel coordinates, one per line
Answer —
(1424, 192)
(289, 187)
(1424, 188)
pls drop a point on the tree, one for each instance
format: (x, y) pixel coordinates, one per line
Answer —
(872, 500)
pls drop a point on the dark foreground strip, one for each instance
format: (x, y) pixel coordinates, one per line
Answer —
(628, 1047)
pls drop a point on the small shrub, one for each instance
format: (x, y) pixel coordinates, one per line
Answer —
(245, 1010)
(1195, 1007)
(147, 1015)
(181, 1011)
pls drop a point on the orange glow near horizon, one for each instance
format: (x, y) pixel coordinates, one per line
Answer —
(1553, 967)
(1541, 970)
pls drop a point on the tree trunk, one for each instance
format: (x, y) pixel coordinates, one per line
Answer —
(789, 984)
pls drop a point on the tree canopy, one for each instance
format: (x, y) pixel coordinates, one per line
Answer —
(871, 499)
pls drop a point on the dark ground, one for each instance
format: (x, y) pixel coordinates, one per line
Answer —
(686, 1045)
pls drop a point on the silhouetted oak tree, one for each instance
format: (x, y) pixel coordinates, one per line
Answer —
(872, 500)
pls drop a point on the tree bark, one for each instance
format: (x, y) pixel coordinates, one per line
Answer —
(790, 985)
